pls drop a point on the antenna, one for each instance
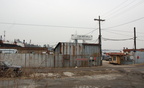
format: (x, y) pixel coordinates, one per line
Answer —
(30, 41)
(1, 37)
(76, 40)
(4, 35)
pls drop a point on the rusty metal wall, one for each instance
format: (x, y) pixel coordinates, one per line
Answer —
(66, 48)
(91, 50)
(70, 48)
(77, 49)
(82, 50)
(40, 60)
(139, 58)
(29, 60)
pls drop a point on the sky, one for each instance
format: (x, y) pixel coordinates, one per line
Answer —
(52, 21)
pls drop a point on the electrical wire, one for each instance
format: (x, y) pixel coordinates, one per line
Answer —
(117, 33)
(130, 32)
(118, 10)
(96, 40)
(45, 25)
(126, 35)
(124, 23)
(108, 39)
(110, 11)
(140, 40)
(91, 31)
(126, 10)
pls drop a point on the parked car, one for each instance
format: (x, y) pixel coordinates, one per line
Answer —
(9, 70)
(106, 57)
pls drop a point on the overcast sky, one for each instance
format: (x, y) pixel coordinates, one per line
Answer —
(53, 21)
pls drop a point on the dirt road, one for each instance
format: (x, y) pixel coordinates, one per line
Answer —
(106, 76)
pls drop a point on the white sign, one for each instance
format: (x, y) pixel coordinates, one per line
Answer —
(82, 37)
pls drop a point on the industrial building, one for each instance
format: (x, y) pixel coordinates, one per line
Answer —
(136, 55)
(87, 49)
(83, 53)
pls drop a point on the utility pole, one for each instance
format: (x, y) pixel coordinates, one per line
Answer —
(134, 38)
(100, 42)
(134, 45)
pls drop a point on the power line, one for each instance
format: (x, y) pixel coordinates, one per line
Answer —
(126, 10)
(45, 25)
(91, 31)
(117, 33)
(120, 31)
(108, 39)
(124, 23)
(140, 40)
(122, 8)
(109, 12)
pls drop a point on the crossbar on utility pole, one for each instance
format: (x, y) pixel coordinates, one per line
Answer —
(100, 42)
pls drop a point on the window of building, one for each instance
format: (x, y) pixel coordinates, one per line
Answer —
(114, 58)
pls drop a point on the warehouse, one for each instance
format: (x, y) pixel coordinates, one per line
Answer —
(82, 54)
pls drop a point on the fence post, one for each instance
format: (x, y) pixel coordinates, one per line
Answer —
(25, 59)
(54, 60)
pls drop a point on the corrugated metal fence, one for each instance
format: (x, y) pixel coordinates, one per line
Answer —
(45, 60)
(138, 58)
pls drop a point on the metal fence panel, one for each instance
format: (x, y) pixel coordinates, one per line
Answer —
(45, 60)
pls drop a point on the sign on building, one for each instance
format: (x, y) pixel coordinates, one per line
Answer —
(81, 37)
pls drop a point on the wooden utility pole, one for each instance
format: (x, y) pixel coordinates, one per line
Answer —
(134, 45)
(134, 38)
(100, 42)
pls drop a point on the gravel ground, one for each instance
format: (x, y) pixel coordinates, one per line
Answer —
(106, 76)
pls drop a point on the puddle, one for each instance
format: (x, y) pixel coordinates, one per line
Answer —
(44, 75)
(69, 74)
(104, 76)
(85, 86)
